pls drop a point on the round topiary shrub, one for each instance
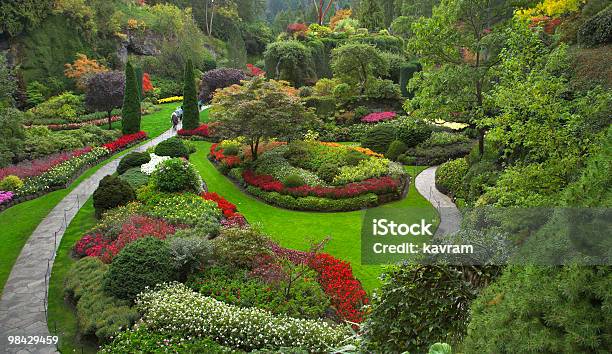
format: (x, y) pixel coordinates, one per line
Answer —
(328, 171)
(396, 148)
(11, 183)
(173, 147)
(413, 132)
(112, 192)
(133, 159)
(142, 263)
(379, 138)
(176, 175)
(293, 181)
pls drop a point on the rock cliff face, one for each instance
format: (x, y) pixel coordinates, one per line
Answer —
(139, 44)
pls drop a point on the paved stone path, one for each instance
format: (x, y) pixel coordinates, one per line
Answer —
(23, 303)
(450, 217)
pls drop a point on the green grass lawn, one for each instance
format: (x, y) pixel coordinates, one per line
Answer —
(297, 230)
(21, 220)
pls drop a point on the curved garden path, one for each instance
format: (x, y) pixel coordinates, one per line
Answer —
(450, 217)
(24, 299)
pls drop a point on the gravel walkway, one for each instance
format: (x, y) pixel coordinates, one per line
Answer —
(450, 217)
(23, 304)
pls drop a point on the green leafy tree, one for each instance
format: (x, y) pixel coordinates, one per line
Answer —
(191, 114)
(371, 15)
(459, 46)
(15, 16)
(260, 110)
(131, 103)
(358, 64)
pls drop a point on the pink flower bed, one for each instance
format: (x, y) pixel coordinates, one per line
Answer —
(6, 197)
(39, 166)
(378, 117)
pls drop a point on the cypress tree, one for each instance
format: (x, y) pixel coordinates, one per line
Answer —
(191, 114)
(131, 103)
(138, 72)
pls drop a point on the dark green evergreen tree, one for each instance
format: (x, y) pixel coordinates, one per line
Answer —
(191, 114)
(131, 102)
(138, 72)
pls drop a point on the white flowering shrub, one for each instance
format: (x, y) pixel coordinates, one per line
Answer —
(150, 166)
(174, 308)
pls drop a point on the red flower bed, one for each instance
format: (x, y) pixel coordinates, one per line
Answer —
(229, 210)
(201, 131)
(336, 279)
(265, 182)
(39, 166)
(380, 185)
(217, 154)
(125, 141)
(137, 227)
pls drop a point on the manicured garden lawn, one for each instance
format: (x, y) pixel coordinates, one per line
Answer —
(21, 220)
(297, 230)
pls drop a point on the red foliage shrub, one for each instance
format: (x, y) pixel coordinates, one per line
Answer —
(297, 28)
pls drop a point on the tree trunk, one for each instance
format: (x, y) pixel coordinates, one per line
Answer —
(481, 134)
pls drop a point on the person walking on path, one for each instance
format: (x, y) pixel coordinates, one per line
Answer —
(175, 121)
